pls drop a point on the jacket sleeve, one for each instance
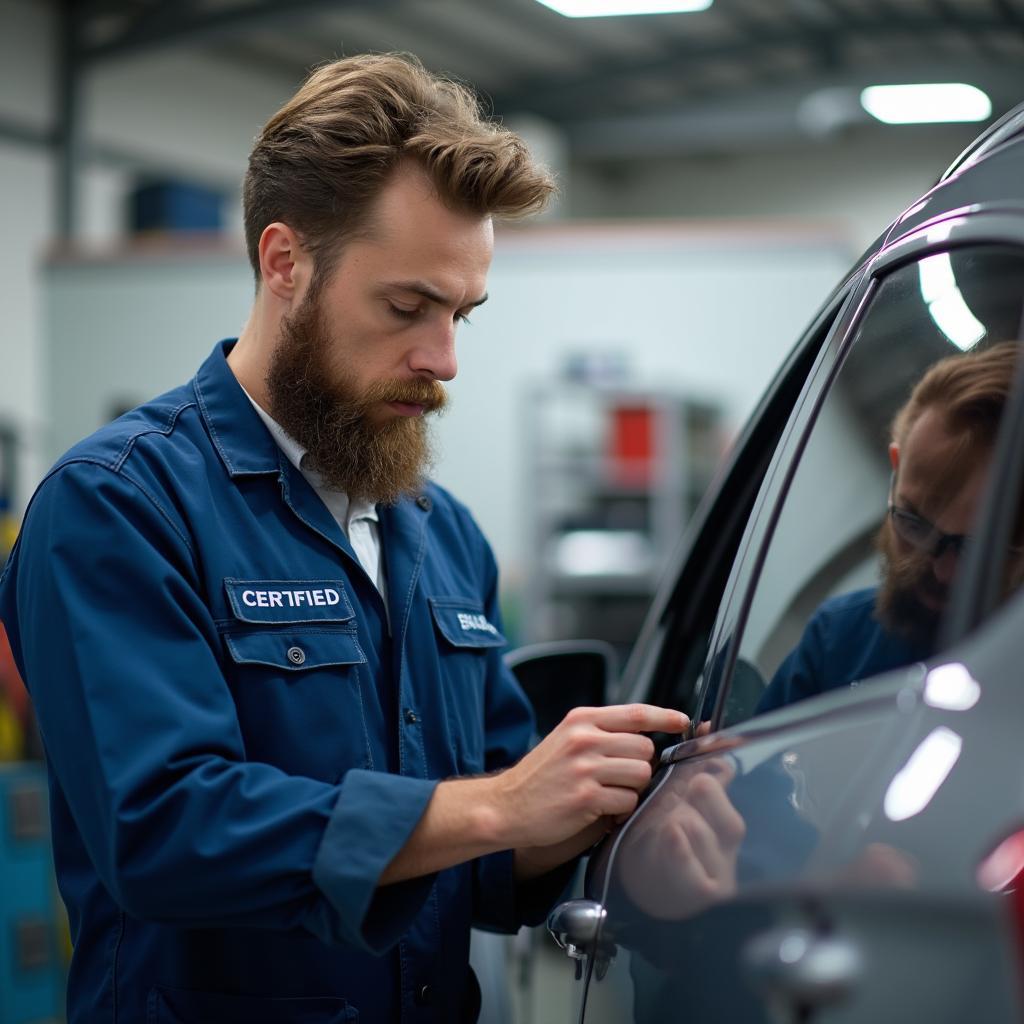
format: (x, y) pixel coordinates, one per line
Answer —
(122, 658)
(800, 674)
(500, 902)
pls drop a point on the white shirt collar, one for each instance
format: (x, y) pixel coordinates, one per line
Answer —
(296, 453)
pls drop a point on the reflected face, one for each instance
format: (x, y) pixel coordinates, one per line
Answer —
(939, 479)
(360, 362)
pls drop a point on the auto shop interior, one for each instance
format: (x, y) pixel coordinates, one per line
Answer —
(721, 165)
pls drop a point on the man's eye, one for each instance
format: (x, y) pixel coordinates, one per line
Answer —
(403, 314)
(461, 318)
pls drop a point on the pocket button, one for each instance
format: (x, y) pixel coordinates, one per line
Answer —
(296, 655)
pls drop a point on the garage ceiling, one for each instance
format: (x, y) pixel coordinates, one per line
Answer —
(742, 74)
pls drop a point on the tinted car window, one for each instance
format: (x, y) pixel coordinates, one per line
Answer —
(863, 560)
(689, 615)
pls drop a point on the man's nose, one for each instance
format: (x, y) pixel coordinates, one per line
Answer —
(944, 566)
(434, 352)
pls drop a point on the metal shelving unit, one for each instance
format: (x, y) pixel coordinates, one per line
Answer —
(614, 473)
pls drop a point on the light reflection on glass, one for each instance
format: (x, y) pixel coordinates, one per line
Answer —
(914, 785)
(946, 304)
(952, 688)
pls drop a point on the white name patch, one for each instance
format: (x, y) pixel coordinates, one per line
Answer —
(476, 622)
(284, 601)
(290, 598)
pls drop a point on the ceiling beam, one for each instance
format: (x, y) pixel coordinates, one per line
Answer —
(190, 27)
(562, 97)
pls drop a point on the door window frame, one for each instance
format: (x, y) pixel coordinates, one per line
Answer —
(982, 225)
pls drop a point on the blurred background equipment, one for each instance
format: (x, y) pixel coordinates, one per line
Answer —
(615, 473)
(32, 930)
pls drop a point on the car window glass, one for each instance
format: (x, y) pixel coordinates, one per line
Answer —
(690, 617)
(860, 567)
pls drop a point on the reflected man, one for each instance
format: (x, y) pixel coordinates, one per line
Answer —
(940, 450)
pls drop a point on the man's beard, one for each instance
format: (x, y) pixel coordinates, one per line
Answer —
(897, 606)
(326, 413)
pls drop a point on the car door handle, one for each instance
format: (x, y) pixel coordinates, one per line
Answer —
(801, 967)
(575, 926)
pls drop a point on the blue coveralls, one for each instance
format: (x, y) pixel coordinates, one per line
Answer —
(238, 743)
(842, 644)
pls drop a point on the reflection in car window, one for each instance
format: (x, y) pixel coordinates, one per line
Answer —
(678, 680)
(861, 565)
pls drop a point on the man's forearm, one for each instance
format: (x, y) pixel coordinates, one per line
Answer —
(461, 823)
(534, 861)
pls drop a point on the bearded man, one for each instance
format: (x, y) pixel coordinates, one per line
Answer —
(286, 759)
(940, 451)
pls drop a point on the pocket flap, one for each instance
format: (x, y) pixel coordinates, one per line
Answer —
(284, 601)
(295, 649)
(462, 622)
(176, 1006)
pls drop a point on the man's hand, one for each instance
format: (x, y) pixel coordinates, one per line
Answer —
(593, 765)
(554, 804)
(680, 857)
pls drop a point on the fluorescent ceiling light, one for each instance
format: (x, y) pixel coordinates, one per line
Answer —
(926, 104)
(614, 8)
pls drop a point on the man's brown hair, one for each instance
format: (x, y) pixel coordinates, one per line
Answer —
(970, 390)
(323, 158)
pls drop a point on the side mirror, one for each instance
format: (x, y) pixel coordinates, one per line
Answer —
(563, 674)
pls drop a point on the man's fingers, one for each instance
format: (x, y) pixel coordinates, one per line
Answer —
(616, 801)
(637, 718)
(622, 771)
(709, 798)
(627, 744)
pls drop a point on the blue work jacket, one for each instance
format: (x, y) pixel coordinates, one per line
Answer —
(241, 737)
(843, 644)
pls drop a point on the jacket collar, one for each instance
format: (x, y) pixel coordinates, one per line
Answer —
(242, 441)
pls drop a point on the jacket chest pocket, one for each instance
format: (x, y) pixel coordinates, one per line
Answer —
(298, 676)
(468, 644)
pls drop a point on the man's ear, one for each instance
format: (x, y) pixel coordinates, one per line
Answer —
(285, 265)
(894, 456)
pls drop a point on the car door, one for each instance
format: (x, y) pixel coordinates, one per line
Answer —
(766, 875)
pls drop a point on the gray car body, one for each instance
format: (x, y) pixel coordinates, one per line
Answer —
(805, 938)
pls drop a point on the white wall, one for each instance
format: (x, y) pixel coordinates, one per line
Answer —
(196, 116)
(182, 110)
(701, 313)
(858, 183)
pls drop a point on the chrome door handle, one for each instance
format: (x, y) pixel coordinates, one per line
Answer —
(575, 926)
(801, 967)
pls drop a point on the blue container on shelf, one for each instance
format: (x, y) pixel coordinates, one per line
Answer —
(175, 206)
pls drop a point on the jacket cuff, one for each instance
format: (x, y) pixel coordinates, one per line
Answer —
(372, 820)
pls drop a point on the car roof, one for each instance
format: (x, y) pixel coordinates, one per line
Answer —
(1010, 125)
(989, 173)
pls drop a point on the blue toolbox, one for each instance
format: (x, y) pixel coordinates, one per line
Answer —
(32, 963)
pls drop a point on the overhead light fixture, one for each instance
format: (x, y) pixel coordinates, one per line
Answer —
(619, 8)
(926, 104)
